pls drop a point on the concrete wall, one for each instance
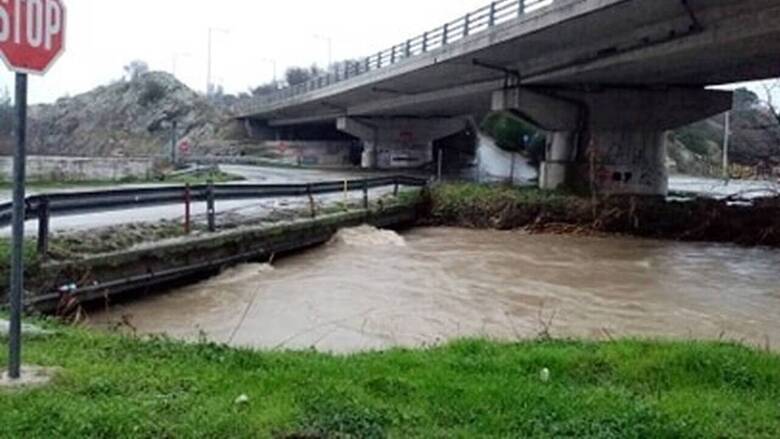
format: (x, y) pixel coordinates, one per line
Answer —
(398, 143)
(309, 153)
(80, 168)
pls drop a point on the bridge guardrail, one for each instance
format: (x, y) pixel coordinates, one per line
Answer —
(481, 20)
(42, 207)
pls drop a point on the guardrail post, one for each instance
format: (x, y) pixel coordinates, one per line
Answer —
(408, 49)
(365, 194)
(520, 8)
(392, 55)
(466, 25)
(187, 209)
(444, 36)
(395, 187)
(425, 42)
(210, 208)
(368, 63)
(379, 60)
(43, 228)
(492, 16)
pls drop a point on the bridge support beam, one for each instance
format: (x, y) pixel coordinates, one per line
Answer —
(609, 140)
(398, 142)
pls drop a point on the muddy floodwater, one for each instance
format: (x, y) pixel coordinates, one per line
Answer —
(373, 289)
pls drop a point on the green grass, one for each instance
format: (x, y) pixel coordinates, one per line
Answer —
(454, 200)
(114, 386)
(31, 262)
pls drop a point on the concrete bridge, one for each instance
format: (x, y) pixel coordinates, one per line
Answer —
(604, 78)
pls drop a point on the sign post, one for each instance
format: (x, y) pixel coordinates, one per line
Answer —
(32, 37)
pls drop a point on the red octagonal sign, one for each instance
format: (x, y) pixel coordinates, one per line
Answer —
(32, 34)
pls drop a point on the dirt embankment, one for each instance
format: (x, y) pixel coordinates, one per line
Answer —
(469, 205)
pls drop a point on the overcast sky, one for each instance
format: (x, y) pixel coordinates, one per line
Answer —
(105, 35)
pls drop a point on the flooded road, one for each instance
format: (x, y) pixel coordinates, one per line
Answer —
(372, 289)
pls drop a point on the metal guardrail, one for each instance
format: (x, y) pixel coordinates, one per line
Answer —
(42, 207)
(476, 22)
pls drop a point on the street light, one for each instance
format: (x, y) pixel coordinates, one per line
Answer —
(329, 41)
(273, 63)
(208, 71)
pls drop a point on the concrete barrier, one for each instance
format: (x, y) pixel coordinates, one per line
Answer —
(54, 168)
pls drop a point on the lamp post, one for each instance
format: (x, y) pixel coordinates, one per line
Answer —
(208, 67)
(273, 64)
(726, 144)
(329, 41)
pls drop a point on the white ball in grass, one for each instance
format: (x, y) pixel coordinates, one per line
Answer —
(241, 400)
(544, 375)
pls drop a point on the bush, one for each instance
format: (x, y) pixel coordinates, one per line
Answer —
(152, 92)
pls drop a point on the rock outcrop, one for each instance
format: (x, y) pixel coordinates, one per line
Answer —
(126, 118)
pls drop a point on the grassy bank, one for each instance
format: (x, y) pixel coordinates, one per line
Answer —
(112, 386)
(505, 207)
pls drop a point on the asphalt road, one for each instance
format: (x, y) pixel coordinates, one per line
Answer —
(252, 174)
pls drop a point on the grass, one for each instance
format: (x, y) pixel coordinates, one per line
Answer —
(116, 386)
(477, 204)
(31, 262)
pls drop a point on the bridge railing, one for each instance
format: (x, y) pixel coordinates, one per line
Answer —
(481, 20)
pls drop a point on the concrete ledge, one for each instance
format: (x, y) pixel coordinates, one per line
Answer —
(142, 269)
(32, 377)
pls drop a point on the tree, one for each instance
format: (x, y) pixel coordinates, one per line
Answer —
(264, 89)
(771, 91)
(299, 75)
(135, 69)
(745, 99)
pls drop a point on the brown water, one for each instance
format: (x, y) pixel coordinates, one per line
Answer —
(372, 289)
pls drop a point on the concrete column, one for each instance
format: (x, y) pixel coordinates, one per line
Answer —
(611, 140)
(397, 143)
(559, 156)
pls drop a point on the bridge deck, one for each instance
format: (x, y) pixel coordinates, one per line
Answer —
(561, 42)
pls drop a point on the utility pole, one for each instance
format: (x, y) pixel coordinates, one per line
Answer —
(726, 145)
(209, 85)
(208, 67)
(174, 142)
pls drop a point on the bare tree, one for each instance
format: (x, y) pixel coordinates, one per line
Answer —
(771, 90)
(135, 69)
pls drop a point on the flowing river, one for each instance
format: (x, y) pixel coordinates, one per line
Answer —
(373, 289)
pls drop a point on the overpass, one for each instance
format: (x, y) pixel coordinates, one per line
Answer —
(605, 78)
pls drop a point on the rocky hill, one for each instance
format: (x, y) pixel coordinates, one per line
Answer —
(126, 118)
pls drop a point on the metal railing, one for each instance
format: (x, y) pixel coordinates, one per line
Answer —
(44, 206)
(481, 20)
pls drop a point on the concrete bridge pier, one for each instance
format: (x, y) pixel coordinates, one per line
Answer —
(399, 142)
(609, 140)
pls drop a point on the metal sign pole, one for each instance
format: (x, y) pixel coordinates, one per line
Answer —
(17, 249)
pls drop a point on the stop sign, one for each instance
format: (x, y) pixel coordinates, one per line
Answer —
(32, 34)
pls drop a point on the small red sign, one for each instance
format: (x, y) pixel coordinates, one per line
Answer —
(32, 34)
(184, 147)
